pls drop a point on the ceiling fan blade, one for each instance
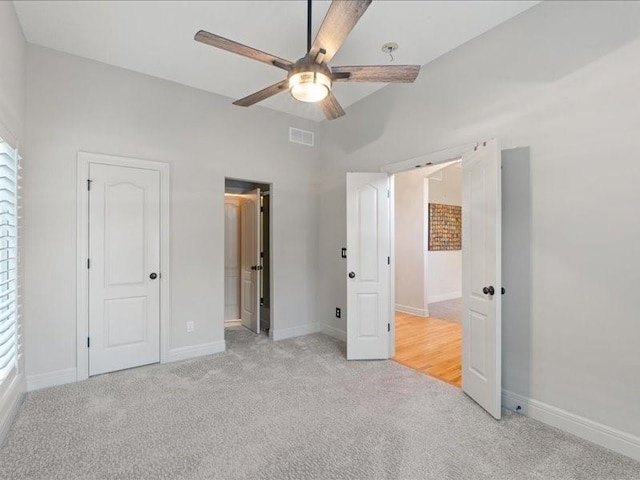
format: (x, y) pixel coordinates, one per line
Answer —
(262, 94)
(376, 73)
(330, 107)
(235, 47)
(339, 21)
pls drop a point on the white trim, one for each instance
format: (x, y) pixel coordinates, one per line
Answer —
(298, 331)
(334, 332)
(419, 312)
(82, 245)
(232, 323)
(441, 156)
(445, 296)
(595, 432)
(51, 379)
(10, 405)
(392, 267)
(194, 351)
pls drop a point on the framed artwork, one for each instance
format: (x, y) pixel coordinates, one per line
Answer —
(445, 227)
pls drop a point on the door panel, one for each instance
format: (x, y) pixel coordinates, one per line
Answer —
(250, 260)
(124, 223)
(368, 247)
(124, 321)
(481, 269)
(124, 248)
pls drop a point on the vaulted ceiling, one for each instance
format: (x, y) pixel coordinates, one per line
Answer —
(156, 38)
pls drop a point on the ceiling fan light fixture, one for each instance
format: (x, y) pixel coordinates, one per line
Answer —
(309, 86)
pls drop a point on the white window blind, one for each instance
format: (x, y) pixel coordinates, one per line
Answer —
(9, 340)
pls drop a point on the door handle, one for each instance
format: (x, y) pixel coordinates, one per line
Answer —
(352, 275)
(488, 290)
(153, 276)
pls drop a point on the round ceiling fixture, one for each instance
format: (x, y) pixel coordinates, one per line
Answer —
(309, 81)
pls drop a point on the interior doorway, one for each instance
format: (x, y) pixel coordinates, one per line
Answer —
(247, 282)
(370, 280)
(428, 271)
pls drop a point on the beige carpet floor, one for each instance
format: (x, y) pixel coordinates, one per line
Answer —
(294, 409)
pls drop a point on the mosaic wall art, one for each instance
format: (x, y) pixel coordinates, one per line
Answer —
(445, 227)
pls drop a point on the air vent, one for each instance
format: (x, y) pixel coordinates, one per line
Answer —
(302, 137)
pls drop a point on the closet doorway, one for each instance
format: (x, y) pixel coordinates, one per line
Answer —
(247, 277)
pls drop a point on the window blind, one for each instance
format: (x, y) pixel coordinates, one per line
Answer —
(9, 339)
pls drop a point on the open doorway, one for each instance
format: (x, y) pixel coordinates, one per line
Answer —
(428, 273)
(247, 281)
(371, 302)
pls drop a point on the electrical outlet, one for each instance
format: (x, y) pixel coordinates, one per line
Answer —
(338, 312)
(189, 327)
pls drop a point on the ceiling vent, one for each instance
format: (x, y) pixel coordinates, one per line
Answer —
(302, 137)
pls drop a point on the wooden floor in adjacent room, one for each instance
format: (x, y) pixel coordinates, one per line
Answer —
(430, 345)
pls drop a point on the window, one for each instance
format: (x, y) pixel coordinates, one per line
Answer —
(8, 261)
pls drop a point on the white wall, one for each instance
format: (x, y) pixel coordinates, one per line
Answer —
(75, 104)
(12, 112)
(563, 78)
(444, 267)
(12, 75)
(410, 242)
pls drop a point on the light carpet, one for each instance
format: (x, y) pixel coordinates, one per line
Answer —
(450, 310)
(294, 409)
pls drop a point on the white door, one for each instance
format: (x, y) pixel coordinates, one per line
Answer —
(250, 260)
(481, 277)
(231, 257)
(368, 270)
(124, 252)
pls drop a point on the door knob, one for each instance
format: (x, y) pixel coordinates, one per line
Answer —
(352, 275)
(153, 276)
(488, 290)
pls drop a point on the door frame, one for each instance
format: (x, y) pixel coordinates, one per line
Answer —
(434, 158)
(82, 252)
(272, 297)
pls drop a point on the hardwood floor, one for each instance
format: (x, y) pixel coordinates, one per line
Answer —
(430, 345)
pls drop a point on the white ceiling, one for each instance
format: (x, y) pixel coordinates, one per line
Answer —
(156, 38)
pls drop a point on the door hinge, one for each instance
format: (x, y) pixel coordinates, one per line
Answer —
(261, 254)
(261, 301)
(89, 184)
(388, 327)
(388, 193)
(388, 260)
(88, 342)
(261, 209)
(88, 263)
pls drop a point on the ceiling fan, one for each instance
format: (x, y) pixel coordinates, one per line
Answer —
(310, 78)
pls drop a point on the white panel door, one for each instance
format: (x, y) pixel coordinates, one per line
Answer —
(368, 269)
(250, 260)
(481, 277)
(231, 258)
(124, 283)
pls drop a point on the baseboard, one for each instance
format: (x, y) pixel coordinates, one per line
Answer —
(444, 296)
(51, 379)
(306, 329)
(595, 432)
(194, 351)
(419, 312)
(334, 332)
(232, 323)
(10, 405)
